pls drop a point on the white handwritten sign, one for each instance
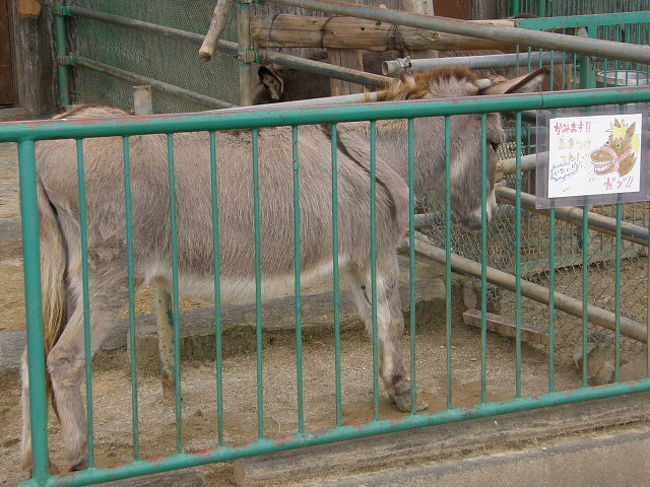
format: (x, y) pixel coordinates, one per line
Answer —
(594, 155)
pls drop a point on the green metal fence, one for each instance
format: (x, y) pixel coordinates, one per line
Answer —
(29, 133)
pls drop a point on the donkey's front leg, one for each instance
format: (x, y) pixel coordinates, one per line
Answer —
(391, 326)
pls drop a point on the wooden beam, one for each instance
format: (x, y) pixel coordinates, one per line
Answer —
(504, 326)
(352, 33)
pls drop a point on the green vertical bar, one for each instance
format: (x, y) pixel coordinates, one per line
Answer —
(585, 292)
(88, 366)
(551, 302)
(515, 7)
(542, 8)
(336, 277)
(484, 238)
(373, 264)
(587, 71)
(296, 256)
(617, 285)
(258, 282)
(62, 69)
(131, 284)
(450, 371)
(33, 310)
(214, 179)
(412, 317)
(518, 183)
(175, 291)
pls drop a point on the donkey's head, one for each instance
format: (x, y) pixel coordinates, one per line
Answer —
(287, 84)
(467, 133)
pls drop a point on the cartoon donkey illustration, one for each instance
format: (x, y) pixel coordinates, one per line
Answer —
(620, 152)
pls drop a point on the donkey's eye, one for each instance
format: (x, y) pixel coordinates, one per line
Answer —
(494, 145)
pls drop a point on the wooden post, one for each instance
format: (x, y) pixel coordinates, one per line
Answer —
(217, 25)
(162, 300)
(420, 7)
(246, 54)
(348, 58)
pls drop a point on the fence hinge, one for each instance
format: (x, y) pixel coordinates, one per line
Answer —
(69, 60)
(248, 56)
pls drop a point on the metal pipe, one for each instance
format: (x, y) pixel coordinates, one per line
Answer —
(325, 69)
(159, 85)
(522, 37)
(538, 293)
(61, 53)
(599, 223)
(316, 67)
(394, 68)
(268, 116)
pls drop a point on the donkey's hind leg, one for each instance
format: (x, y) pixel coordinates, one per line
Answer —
(66, 360)
(390, 326)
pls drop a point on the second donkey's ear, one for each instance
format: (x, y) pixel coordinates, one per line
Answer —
(272, 83)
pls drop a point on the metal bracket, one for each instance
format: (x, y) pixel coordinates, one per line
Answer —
(406, 64)
(247, 57)
(69, 60)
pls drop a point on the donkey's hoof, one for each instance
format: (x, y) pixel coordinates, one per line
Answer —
(81, 465)
(403, 403)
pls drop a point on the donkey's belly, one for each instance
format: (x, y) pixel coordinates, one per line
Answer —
(242, 289)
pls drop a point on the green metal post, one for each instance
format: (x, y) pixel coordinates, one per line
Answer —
(61, 51)
(449, 319)
(587, 71)
(298, 299)
(214, 179)
(484, 240)
(336, 276)
(86, 301)
(373, 265)
(175, 290)
(130, 263)
(258, 282)
(34, 311)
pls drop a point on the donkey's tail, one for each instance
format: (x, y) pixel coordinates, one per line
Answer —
(53, 267)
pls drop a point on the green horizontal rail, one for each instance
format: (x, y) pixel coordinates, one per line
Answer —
(255, 117)
(577, 21)
(341, 433)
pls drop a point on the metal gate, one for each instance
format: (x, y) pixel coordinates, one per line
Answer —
(28, 134)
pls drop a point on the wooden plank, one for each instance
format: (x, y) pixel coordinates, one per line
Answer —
(347, 58)
(352, 33)
(7, 91)
(504, 326)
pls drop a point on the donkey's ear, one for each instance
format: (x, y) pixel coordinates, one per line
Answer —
(523, 84)
(272, 82)
(630, 130)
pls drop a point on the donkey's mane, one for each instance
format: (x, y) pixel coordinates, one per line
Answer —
(421, 84)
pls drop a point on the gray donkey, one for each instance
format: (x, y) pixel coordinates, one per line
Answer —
(60, 224)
